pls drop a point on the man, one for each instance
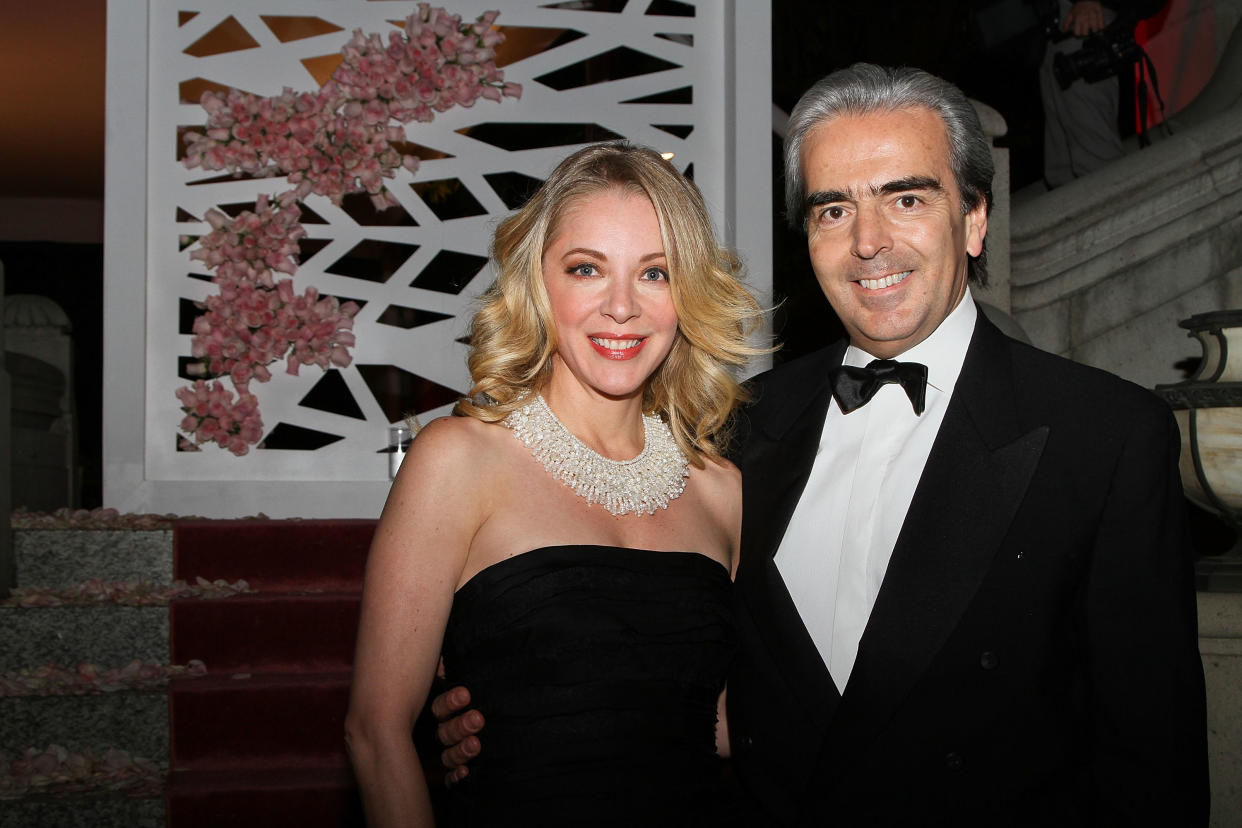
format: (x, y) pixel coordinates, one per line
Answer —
(974, 604)
(1080, 121)
(969, 601)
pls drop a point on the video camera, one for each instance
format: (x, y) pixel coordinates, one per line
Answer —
(1103, 54)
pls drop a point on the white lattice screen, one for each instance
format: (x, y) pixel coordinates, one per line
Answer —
(668, 77)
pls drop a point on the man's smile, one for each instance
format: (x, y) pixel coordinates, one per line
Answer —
(884, 281)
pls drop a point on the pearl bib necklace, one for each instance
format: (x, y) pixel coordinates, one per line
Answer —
(641, 485)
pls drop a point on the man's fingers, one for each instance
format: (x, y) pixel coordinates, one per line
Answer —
(458, 729)
(449, 703)
(455, 775)
(459, 754)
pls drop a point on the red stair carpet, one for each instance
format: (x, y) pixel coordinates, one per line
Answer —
(259, 741)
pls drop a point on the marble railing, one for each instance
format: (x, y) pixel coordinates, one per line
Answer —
(1103, 268)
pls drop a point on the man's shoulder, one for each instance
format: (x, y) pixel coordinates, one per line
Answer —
(1074, 386)
(802, 373)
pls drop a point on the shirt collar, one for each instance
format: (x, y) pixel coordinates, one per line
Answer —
(943, 352)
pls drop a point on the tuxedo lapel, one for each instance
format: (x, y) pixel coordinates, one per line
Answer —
(983, 458)
(785, 427)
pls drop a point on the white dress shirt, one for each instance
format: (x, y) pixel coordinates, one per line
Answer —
(842, 533)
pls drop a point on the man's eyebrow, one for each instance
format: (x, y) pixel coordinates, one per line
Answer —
(823, 197)
(902, 185)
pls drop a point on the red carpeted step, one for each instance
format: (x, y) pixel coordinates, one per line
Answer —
(274, 554)
(221, 721)
(266, 631)
(307, 797)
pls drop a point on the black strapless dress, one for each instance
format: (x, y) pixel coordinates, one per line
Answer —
(597, 669)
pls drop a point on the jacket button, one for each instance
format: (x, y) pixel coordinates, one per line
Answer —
(953, 761)
(988, 660)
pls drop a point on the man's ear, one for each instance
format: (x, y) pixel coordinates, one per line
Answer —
(976, 228)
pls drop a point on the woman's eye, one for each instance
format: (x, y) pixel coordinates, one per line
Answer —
(655, 274)
(584, 269)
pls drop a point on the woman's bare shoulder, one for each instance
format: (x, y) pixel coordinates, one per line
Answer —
(720, 483)
(454, 439)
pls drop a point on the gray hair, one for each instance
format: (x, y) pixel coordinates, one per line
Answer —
(865, 88)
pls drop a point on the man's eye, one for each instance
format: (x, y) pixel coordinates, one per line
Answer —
(832, 213)
(908, 201)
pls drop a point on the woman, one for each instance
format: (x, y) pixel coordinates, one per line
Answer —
(575, 578)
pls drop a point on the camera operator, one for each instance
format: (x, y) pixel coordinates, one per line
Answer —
(1080, 106)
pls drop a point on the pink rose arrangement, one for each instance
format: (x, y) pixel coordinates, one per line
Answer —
(86, 679)
(55, 770)
(332, 142)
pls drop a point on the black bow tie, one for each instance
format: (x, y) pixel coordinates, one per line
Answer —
(854, 387)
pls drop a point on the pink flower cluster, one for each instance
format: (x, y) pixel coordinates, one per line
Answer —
(332, 142)
(213, 415)
(56, 770)
(339, 139)
(97, 518)
(256, 320)
(250, 247)
(88, 679)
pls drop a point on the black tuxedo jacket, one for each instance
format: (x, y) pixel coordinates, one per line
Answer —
(1032, 656)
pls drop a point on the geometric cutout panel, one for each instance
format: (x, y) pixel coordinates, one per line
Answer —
(183, 368)
(680, 130)
(514, 188)
(372, 260)
(421, 151)
(615, 64)
(189, 311)
(683, 95)
(235, 210)
(522, 42)
(288, 29)
(228, 36)
(417, 267)
(407, 318)
(289, 437)
(449, 272)
(400, 393)
(308, 216)
(309, 247)
(448, 198)
(612, 6)
(360, 208)
(515, 136)
(670, 8)
(689, 173)
(331, 394)
(215, 179)
(191, 91)
(322, 67)
(683, 39)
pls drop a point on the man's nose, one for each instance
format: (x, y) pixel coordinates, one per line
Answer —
(872, 234)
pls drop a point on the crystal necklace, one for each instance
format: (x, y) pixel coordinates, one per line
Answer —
(641, 485)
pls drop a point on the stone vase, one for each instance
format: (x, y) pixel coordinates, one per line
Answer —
(1208, 407)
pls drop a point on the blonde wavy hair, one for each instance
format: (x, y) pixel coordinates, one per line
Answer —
(511, 336)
